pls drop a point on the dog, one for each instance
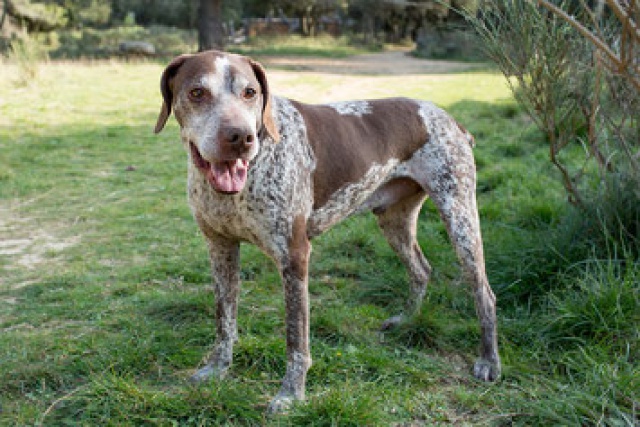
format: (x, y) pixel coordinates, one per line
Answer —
(275, 172)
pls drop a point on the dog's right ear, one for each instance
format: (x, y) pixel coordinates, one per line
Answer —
(268, 122)
(167, 91)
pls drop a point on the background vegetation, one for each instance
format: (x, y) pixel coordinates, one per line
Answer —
(95, 28)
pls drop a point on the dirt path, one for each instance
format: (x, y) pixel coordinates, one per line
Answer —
(376, 75)
(395, 62)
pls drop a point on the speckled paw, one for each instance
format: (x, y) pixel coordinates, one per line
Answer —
(281, 404)
(207, 372)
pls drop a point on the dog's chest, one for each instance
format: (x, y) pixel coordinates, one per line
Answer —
(278, 189)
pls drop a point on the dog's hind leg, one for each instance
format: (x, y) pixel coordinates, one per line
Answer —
(449, 177)
(398, 223)
(464, 232)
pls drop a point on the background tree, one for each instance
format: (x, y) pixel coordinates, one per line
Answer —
(211, 33)
(308, 12)
(3, 14)
(35, 16)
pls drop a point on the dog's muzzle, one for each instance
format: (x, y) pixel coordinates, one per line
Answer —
(228, 177)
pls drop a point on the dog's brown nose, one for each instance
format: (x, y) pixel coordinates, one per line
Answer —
(238, 138)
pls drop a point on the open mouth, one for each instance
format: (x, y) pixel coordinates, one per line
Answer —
(228, 177)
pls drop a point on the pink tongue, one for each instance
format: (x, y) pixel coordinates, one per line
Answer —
(229, 177)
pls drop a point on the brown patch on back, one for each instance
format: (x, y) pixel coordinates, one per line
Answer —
(346, 146)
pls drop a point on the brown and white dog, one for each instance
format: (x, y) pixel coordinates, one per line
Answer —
(276, 173)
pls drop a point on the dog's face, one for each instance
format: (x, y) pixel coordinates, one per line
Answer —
(222, 104)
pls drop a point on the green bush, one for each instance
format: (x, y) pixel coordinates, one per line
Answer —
(95, 13)
(536, 257)
(27, 53)
(586, 105)
(38, 16)
(94, 43)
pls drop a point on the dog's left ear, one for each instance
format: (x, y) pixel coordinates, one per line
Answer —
(268, 121)
(167, 92)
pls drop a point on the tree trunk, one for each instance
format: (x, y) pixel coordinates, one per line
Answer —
(210, 30)
(4, 13)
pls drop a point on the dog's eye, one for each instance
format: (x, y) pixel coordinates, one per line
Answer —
(249, 93)
(196, 94)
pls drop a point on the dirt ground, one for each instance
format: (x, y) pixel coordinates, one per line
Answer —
(376, 75)
(397, 62)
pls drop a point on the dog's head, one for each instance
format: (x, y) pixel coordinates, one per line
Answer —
(223, 106)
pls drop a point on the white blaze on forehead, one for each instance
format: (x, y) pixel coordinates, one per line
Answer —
(226, 109)
(354, 108)
(217, 80)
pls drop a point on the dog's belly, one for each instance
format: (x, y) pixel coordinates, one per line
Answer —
(252, 217)
(351, 198)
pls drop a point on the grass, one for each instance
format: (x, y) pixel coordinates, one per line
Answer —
(106, 306)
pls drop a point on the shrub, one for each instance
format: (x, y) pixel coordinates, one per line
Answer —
(576, 78)
(93, 43)
(27, 53)
(584, 98)
(606, 227)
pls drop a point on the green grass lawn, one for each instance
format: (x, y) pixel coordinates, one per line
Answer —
(106, 308)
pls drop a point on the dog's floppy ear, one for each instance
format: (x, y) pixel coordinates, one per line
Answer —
(268, 121)
(167, 93)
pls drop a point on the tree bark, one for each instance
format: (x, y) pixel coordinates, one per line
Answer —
(210, 30)
(4, 13)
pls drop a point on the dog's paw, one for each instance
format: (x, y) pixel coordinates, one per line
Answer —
(486, 370)
(207, 372)
(281, 404)
(393, 322)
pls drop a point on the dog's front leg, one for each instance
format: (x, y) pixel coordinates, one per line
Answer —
(294, 272)
(225, 266)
